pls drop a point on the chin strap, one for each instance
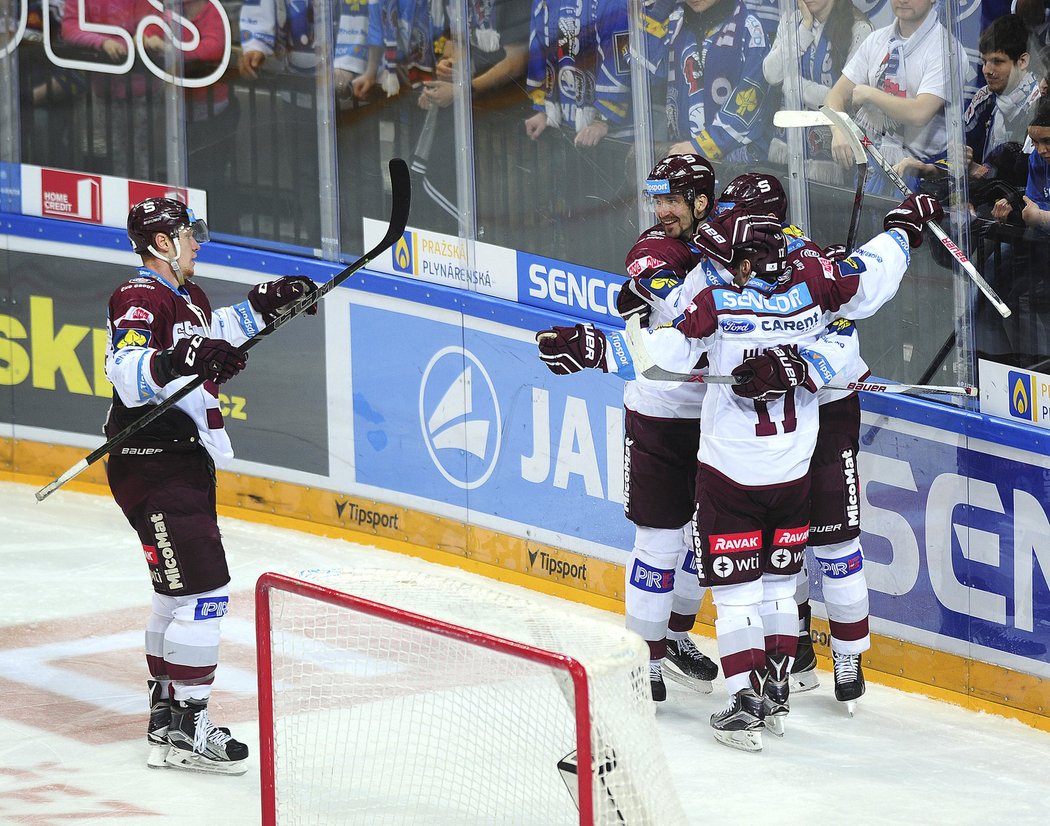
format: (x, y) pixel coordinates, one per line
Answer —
(172, 262)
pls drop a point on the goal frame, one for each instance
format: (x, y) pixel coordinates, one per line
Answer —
(269, 581)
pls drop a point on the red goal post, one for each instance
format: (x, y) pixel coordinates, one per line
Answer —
(367, 708)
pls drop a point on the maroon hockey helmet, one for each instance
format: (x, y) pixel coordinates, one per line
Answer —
(766, 248)
(689, 175)
(166, 215)
(758, 192)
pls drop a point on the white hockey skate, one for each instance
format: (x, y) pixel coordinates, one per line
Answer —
(740, 724)
(849, 680)
(198, 745)
(687, 665)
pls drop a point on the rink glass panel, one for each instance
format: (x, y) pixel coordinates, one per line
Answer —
(294, 161)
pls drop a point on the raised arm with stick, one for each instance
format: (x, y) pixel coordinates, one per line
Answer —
(401, 189)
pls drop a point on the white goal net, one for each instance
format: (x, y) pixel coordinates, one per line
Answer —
(397, 698)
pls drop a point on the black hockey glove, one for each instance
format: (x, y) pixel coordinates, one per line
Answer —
(568, 350)
(911, 216)
(629, 303)
(215, 359)
(273, 298)
(772, 373)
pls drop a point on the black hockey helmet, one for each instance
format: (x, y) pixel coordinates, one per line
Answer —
(166, 215)
(766, 248)
(689, 175)
(759, 192)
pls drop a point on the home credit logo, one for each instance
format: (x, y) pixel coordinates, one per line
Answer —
(71, 195)
(139, 191)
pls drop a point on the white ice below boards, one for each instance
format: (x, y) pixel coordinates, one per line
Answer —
(73, 714)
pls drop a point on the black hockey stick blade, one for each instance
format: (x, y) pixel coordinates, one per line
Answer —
(401, 189)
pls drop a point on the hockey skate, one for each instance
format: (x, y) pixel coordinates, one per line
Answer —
(157, 728)
(775, 695)
(689, 666)
(656, 681)
(198, 745)
(849, 680)
(804, 671)
(740, 723)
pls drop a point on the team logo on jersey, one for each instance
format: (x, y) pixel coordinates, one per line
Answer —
(460, 417)
(852, 266)
(646, 262)
(131, 338)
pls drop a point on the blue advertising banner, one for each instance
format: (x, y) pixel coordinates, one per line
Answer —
(473, 419)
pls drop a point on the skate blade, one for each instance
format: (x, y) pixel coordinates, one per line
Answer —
(804, 681)
(158, 754)
(699, 686)
(775, 725)
(851, 707)
(744, 740)
(179, 759)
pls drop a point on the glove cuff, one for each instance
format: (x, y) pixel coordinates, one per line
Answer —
(163, 368)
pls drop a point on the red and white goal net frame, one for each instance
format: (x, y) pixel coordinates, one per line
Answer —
(639, 790)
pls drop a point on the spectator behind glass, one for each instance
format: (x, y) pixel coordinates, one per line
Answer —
(577, 77)
(497, 55)
(896, 84)
(997, 117)
(280, 38)
(1024, 271)
(716, 94)
(119, 100)
(829, 33)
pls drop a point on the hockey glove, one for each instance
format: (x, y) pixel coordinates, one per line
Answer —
(719, 236)
(273, 298)
(836, 252)
(771, 373)
(629, 303)
(568, 350)
(911, 216)
(214, 359)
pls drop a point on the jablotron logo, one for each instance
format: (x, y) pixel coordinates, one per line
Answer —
(460, 417)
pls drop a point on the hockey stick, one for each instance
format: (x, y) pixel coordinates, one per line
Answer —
(644, 364)
(845, 124)
(401, 188)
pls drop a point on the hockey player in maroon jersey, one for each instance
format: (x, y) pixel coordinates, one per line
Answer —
(753, 489)
(662, 431)
(834, 537)
(163, 333)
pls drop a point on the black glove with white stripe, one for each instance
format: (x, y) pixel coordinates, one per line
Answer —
(911, 216)
(568, 350)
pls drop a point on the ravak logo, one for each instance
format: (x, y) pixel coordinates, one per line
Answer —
(460, 417)
(404, 254)
(1021, 395)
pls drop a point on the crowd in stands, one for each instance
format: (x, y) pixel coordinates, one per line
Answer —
(551, 85)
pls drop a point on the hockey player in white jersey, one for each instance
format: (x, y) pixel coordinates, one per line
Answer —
(753, 485)
(162, 334)
(662, 431)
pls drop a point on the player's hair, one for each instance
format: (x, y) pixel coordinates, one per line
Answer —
(1041, 116)
(1006, 34)
(839, 32)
